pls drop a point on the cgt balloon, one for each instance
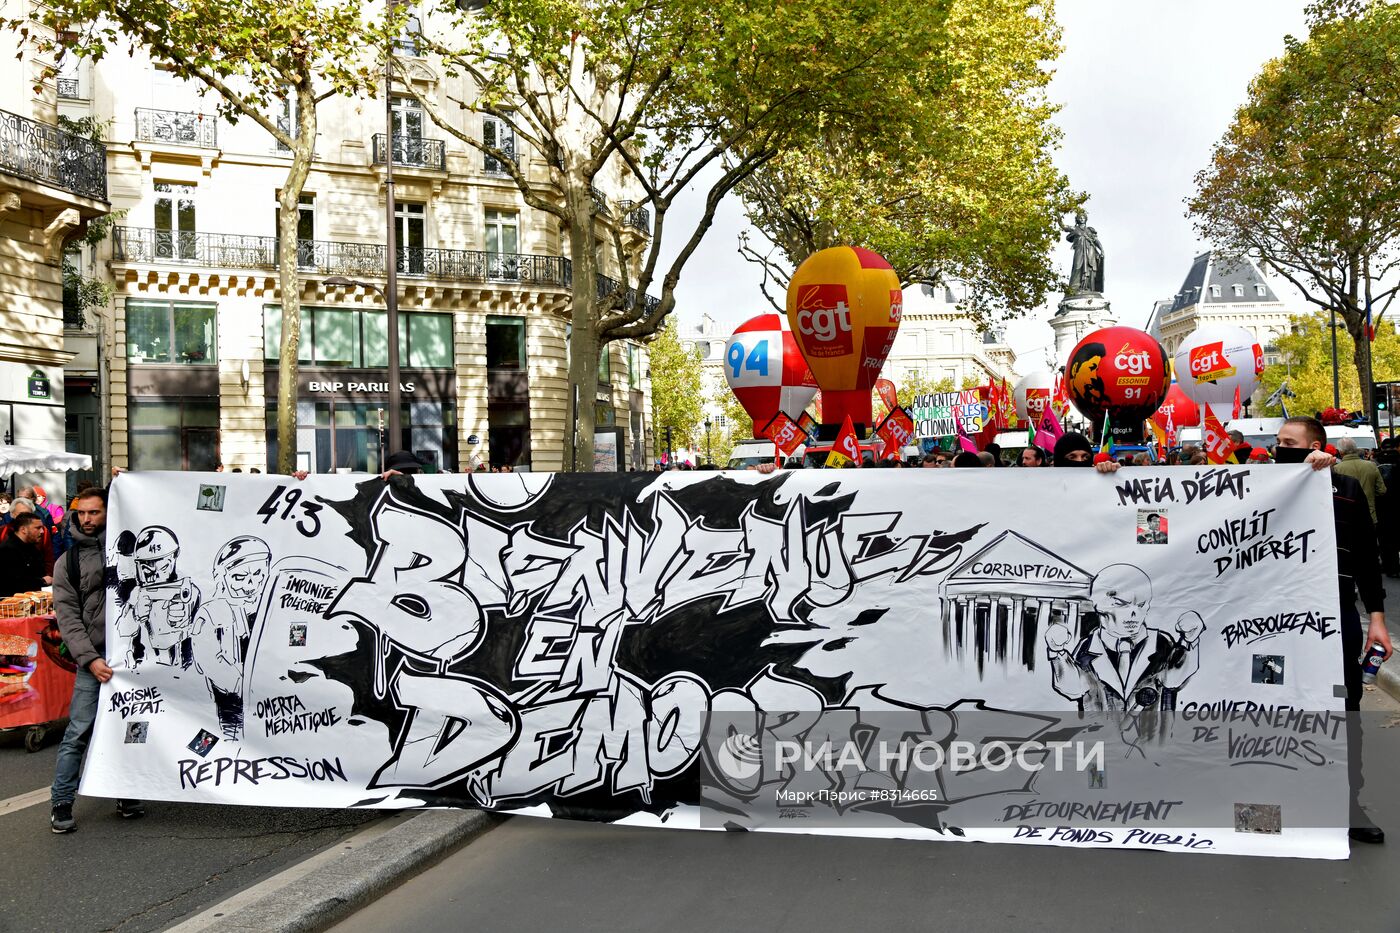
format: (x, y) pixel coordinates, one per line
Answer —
(1119, 373)
(765, 370)
(844, 305)
(1215, 360)
(1177, 410)
(1032, 393)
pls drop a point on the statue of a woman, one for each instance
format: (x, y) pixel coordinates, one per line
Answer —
(1086, 271)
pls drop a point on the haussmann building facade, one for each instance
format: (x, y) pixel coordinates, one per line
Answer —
(190, 343)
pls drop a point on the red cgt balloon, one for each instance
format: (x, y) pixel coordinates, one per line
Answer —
(1178, 409)
(1118, 371)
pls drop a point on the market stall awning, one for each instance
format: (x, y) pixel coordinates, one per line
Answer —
(32, 460)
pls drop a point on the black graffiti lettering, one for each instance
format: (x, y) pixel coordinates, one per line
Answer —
(1280, 750)
(1144, 837)
(1281, 623)
(1150, 491)
(1217, 483)
(194, 773)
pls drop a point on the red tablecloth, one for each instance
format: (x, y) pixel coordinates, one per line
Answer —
(43, 696)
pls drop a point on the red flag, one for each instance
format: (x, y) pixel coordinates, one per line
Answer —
(1061, 397)
(888, 394)
(785, 433)
(1217, 444)
(1235, 412)
(847, 448)
(897, 431)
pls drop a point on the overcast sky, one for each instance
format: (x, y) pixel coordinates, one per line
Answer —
(1147, 87)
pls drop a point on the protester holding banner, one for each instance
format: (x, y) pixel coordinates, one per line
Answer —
(1358, 573)
(80, 603)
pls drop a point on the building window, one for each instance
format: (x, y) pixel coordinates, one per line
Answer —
(702, 348)
(634, 371)
(605, 365)
(498, 133)
(407, 41)
(505, 343)
(1261, 291)
(287, 119)
(408, 126)
(605, 416)
(306, 230)
(358, 339)
(429, 341)
(174, 434)
(174, 221)
(411, 219)
(502, 244)
(1239, 291)
(1215, 291)
(170, 332)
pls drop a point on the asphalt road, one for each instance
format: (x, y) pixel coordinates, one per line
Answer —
(139, 875)
(538, 874)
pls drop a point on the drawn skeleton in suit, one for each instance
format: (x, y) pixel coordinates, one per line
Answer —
(1125, 665)
(223, 627)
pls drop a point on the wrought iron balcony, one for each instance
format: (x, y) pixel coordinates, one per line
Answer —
(68, 88)
(638, 218)
(608, 285)
(413, 151)
(53, 156)
(330, 257)
(177, 128)
(600, 201)
(220, 250)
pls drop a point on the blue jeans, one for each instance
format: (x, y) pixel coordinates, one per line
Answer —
(81, 714)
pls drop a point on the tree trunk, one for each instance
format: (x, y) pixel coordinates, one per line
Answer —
(289, 276)
(1361, 356)
(584, 346)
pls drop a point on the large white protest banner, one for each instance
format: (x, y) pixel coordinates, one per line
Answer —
(1143, 660)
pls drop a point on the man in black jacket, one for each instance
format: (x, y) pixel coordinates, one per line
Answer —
(1358, 572)
(80, 603)
(21, 563)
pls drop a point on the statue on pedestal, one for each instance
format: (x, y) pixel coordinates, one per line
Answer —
(1086, 271)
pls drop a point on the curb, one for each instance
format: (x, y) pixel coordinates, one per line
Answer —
(333, 891)
(1388, 680)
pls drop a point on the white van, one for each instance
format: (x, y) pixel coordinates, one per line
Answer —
(1258, 432)
(753, 452)
(1364, 435)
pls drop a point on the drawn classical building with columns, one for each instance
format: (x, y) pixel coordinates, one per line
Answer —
(999, 601)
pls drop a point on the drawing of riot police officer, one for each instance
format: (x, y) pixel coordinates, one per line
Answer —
(159, 609)
(223, 626)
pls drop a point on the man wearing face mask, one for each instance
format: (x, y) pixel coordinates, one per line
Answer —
(1300, 440)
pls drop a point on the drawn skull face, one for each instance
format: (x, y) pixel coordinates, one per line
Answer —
(244, 583)
(159, 570)
(1122, 595)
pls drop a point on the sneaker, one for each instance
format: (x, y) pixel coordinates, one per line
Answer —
(130, 809)
(61, 818)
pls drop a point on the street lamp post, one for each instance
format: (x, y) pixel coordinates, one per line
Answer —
(708, 456)
(391, 271)
(1336, 380)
